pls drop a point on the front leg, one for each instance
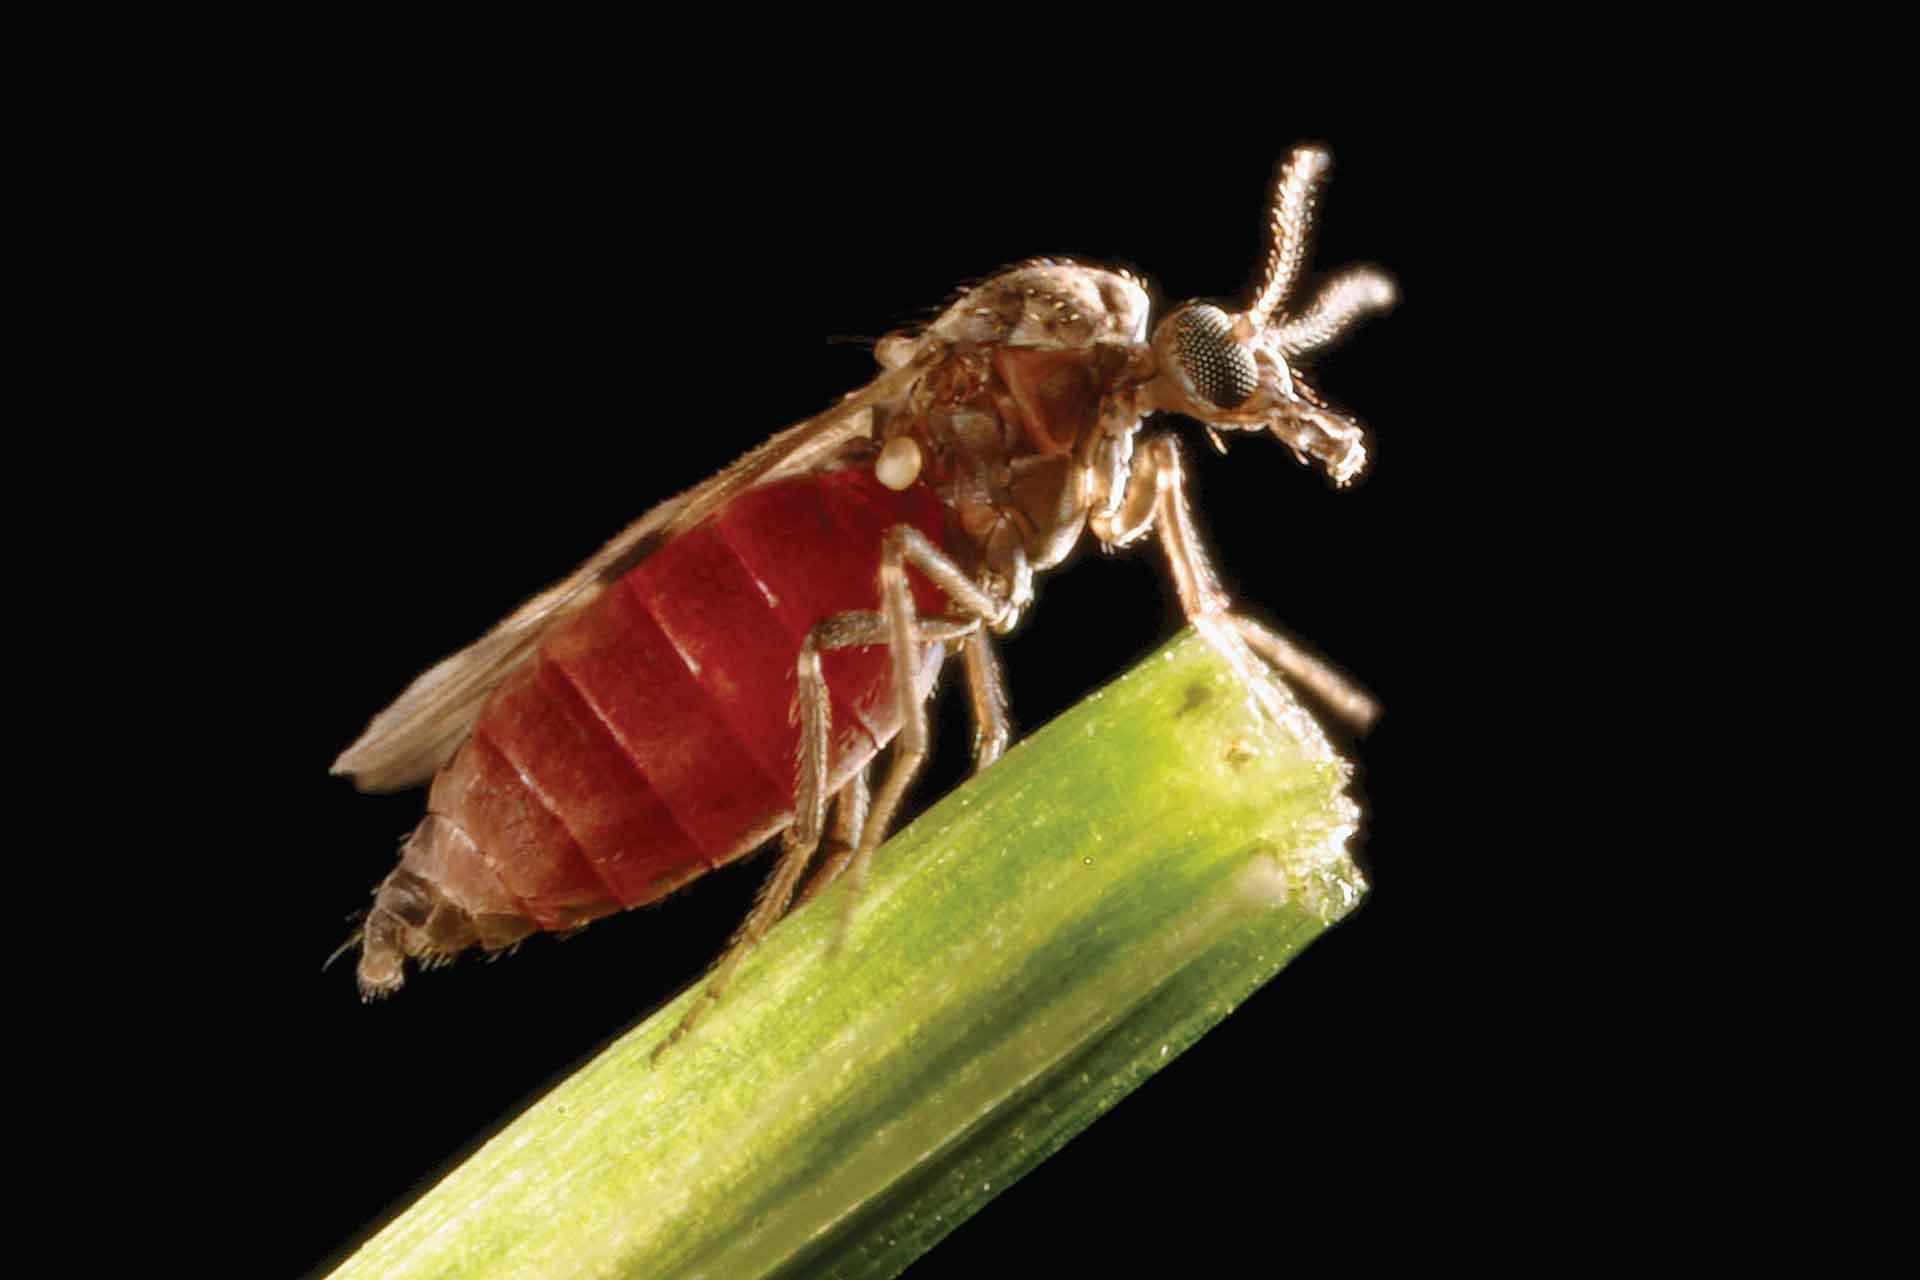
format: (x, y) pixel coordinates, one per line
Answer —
(1155, 501)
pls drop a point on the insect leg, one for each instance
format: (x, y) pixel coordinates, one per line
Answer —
(987, 692)
(1341, 695)
(1156, 499)
(814, 706)
(906, 632)
(992, 730)
(849, 817)
(802, 837)
(854, 818)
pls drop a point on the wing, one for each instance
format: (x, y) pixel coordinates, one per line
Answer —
(408, 742)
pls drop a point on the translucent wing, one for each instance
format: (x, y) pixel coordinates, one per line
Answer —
(409, 741)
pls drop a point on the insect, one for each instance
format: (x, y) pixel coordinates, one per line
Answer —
(727, 668)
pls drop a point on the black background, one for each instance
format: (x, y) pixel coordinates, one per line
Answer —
(489, 339)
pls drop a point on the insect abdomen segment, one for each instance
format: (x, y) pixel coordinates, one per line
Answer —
(650, 739)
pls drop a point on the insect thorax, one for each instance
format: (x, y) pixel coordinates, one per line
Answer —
(1007, 414)
(1046, 304)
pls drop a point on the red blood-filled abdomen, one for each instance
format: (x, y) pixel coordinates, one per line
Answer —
(650, 738)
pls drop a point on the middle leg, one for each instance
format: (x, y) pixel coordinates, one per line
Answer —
(849, 818)
(813, 707)
(986, 693)
(906, 631)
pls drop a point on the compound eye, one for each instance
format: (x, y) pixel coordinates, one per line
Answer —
(1218, 368)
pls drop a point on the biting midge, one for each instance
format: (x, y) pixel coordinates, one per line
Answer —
(727, 669)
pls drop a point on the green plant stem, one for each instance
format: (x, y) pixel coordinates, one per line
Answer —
(1026, 953)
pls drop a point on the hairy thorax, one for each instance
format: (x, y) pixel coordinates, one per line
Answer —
(1038, 362)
